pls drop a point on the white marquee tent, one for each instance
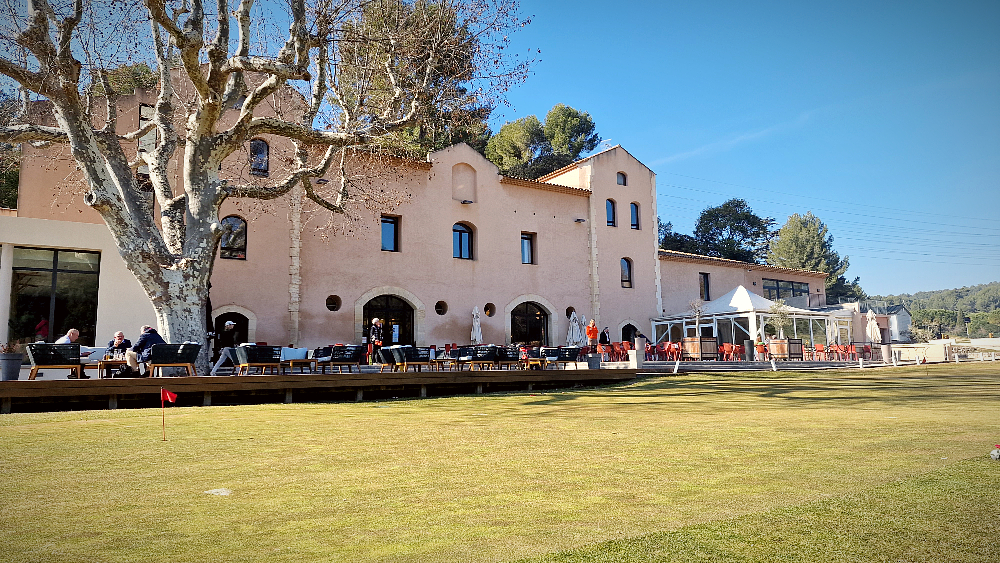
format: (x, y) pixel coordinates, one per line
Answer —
(741, 315)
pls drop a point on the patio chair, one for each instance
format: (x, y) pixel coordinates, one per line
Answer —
(727, 352)
(263, 358)
(567, 355)
(531, 357)
(617, 351)
(508, 357)
(819, 351)
(173, 356)
(761, 352)
(296, 357)
(387, 358)
(416, 357)
(484, 357)
(739, 352)
(55, 356)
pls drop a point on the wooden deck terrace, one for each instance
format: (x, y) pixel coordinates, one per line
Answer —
(42, 395)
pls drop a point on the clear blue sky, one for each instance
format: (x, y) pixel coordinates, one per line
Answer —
(883, 119)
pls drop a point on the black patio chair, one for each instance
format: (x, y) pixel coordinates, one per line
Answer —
(55, 356)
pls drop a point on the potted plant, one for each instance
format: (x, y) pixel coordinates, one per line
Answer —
(10, 361)
(779, 318)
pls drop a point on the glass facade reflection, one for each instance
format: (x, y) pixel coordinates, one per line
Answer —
(53, 291)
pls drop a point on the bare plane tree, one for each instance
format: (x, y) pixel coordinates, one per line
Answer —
(358, 73)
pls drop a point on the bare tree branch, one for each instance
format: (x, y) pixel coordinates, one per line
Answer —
(25, 133)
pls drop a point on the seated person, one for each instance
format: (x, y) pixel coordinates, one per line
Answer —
(117, 344)
(143, 348)
(69, 338)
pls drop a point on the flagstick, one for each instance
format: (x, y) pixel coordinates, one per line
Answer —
(163, 412)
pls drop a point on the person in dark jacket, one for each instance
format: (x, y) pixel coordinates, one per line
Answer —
(117, 344)
(375, 339)
(143, 347)
(605, 336)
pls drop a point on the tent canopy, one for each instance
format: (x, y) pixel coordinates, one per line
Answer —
(737, 301)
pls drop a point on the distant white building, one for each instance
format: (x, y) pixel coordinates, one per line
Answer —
(899, 323)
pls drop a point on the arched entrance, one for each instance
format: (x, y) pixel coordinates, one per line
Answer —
(529, 324)
(397, 319)
(239, 334)
(628, 333)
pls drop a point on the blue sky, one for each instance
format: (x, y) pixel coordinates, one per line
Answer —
(882, 118)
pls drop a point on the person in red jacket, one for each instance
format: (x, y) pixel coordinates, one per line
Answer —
(592, 333)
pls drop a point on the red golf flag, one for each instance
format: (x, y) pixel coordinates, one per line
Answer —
(167, 395)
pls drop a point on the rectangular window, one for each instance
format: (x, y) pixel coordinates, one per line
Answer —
(634, 207)
(703, 287)
(52, 292)
(781, 289)
(527, 248)
(390, 233)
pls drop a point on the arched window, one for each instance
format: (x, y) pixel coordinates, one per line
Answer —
(626, 272)
(612, 215)
(622, 179)
(634, 208)
(259, 157)
(234, 238)
(461, 237)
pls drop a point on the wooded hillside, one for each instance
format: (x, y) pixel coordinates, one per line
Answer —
(981, 298)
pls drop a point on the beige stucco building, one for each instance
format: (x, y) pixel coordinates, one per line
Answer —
(524, 253)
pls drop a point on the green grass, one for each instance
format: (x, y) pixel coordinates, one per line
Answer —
(831, 466)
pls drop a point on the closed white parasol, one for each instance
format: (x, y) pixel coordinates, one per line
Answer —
(477, 329)
(874, 333)
(573, 332)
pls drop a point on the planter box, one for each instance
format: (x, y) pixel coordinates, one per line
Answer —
(786, 349)
(709, 348)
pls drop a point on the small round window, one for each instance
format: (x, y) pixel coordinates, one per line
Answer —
(490, 309)
(569, 312)
(440, 307)
(333, 302)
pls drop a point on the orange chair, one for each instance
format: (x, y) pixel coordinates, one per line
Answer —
(727, 352)
(740, 352)
(762, 352)
(819, 351)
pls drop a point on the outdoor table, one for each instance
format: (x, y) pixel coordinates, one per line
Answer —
(103, 366)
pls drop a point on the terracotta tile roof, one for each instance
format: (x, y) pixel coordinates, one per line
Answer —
(544, 186)
(678, 256)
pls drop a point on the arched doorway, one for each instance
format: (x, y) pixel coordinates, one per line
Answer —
(223, 338)
(529, 325)
(628, 333)
(397, 319)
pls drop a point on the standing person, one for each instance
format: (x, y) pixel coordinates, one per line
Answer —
(143, 348)
(69, 338)
(375, 338)
(228, 340)
(605, 342)
(592, 334)
(42, 330)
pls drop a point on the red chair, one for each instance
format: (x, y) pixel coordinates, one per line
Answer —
(762, 352)
(819, 351)
(727, 352)
(662, 351)
(675, 351)
(617, 351)
(740, 352)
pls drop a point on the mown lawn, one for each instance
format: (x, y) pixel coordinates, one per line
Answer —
(730, 467)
